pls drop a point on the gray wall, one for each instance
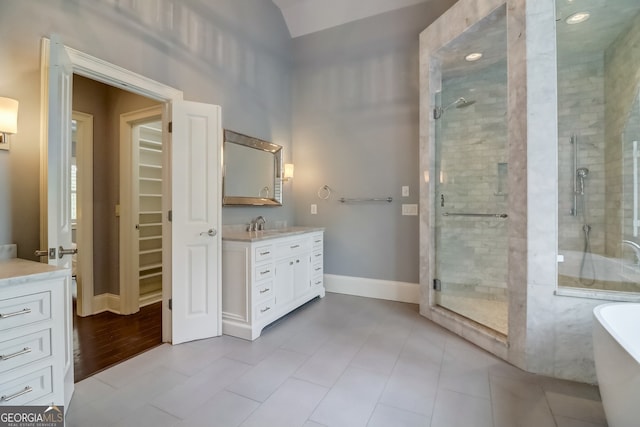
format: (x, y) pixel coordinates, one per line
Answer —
(355, 126)
(236, 54)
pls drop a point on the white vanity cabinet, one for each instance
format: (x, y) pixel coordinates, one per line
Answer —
(32, 333)
(265, 275)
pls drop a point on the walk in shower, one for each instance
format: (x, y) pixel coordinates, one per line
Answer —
(471, 171)
(598, 133)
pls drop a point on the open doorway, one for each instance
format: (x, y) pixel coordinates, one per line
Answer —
(191, 301)
(109, 326)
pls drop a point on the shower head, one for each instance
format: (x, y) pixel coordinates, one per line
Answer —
(582, 172)
(458, 103)
(463, 103)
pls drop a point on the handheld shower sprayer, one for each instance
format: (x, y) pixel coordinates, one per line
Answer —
(581, 173)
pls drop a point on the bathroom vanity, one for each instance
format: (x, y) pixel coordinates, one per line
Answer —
(267, 274)
(33, 328)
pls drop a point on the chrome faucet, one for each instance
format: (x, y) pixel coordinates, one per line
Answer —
(257, 224)
(636, 249)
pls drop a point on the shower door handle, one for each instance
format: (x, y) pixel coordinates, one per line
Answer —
(62, 251)
(51, 253)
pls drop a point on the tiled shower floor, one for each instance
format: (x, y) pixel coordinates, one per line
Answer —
(488, 312)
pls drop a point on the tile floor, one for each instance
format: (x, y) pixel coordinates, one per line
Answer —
(339, 361)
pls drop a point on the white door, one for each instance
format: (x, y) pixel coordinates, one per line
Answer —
(59, 185)
(196, 158)
(195, 163)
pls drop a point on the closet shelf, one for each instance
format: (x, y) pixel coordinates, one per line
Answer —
(150, 238)
(149, 211)
(149, 165)
(150, 224)
(150, 275)
(150, 267)
(151, 142)
(150, 251)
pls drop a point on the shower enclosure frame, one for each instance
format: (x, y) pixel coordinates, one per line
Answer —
(453, 23)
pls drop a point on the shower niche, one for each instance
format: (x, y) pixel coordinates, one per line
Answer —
(468, 174)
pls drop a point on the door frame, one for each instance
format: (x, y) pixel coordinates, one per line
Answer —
(130, 288)
(84, 207)
(113, 75)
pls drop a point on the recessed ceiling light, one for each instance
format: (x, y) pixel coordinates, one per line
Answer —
(577, 18)
(473, 56)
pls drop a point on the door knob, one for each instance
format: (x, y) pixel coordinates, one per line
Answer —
(211, 232)
(62, 251)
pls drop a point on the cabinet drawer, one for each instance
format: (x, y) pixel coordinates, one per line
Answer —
(317, 257)
(264, 309)
(293, 247)
(263, 253)
(317, 281)
(25, 310)
(26, 386)
(262, 272)
(262, 290)
(23, 349)
(317, 269)
(317, 241)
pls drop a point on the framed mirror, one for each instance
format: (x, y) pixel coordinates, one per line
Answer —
(252, 171)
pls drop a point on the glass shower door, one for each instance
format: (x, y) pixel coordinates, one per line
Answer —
(471, 245)
(471, 194)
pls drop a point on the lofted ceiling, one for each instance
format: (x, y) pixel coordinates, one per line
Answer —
(308, 16)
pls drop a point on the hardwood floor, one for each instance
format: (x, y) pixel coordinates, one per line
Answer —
(105, 339)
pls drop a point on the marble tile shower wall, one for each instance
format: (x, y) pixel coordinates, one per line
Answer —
(581, 109)
(472, 141)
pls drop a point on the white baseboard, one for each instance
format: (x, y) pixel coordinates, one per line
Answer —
(106, 302)
(8, 251)
(373, 288)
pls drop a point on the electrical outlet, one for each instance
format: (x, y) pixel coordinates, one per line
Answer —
(405, 191)
(314, 209)
(411, 210)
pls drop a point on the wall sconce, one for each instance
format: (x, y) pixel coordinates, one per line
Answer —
(8, 120)
(288, 171)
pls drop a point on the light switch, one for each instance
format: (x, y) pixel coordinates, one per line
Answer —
(314, 209)
(405, 191)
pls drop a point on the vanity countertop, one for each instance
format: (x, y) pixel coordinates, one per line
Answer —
(15, 271)
(255, 236)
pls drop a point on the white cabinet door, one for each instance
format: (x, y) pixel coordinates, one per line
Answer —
(195, 238)
(284, 281)
(59, 184)
(301, 275)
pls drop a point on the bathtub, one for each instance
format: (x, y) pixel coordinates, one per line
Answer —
(611, 274)
(616, 346)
